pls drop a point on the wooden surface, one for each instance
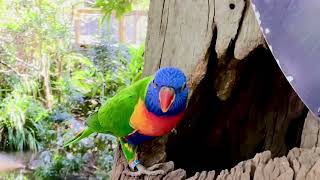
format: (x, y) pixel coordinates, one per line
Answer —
(172, 26)
(311, 132)
(299, 164)
(237, 108)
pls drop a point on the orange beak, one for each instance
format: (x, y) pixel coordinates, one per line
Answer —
(166, 97)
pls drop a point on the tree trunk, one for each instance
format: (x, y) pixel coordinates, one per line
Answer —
(46, 81)
(240, 104)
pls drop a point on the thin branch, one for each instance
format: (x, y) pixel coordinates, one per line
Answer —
(9, 67)
(26, 64)
(21, 61)
(12, 70)
(5, 72)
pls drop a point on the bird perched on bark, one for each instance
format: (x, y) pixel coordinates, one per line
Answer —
(151, 107)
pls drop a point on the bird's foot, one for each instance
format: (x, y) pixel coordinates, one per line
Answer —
(143, 171)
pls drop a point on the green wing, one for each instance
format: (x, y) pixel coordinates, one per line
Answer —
(115, 114)
(93, 126)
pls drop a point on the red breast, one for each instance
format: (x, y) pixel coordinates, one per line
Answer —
(149, 124)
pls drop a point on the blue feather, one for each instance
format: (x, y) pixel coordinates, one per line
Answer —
(169, 77)
(136, 138)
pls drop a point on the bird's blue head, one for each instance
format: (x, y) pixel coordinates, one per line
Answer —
(167, 94)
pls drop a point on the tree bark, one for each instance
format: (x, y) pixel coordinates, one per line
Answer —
(46, 81)
(240, 104)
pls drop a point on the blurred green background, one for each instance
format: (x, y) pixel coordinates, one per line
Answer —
(59, 60)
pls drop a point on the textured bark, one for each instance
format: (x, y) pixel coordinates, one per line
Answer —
(240, 102)
(299, 164)
(311, 132)
(46, 81)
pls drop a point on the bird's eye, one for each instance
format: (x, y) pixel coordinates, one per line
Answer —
(155, 85)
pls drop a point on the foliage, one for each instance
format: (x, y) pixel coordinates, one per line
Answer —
(78, 86)
(20, 114)
(99, 147)
(36, 48)
(111, 60)
(95, 151)
(48, 88)
(121, 7)
(120, 64)
(34, 38)
(135, 68)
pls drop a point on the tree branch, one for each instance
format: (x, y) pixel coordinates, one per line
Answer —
(20, 60)
(11, 68)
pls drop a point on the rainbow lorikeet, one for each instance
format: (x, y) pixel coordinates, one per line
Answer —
(150, 107)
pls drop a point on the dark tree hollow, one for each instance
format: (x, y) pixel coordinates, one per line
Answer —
(262, 113)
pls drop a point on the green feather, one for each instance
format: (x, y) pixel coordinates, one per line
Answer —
(93, 126)
(93, 123)
(83, 134)
(115, 114)
(113, 117)
(130, 152)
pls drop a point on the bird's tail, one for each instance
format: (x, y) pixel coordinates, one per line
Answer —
(81, 135)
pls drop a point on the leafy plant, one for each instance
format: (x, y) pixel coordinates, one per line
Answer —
(135, 67)
(91, 155)
(59, 166)
(33, 39)
(121, 7)
(111, 60)
(96, 150)
(19, 125)
(47, 86)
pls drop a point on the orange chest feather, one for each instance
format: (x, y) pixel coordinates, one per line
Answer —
(149, 124)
